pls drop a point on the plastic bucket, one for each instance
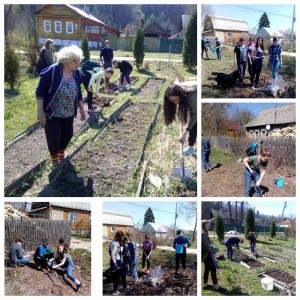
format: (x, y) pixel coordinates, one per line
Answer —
(179, 249)
(267, 283)
(279, 182)
(214, 50)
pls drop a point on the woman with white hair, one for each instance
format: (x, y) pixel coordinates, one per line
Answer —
(58, 95)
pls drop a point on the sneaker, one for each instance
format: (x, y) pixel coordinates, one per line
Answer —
(116, 293)
(147, 271)
(188, 151)
(79, 286)
(252, 87)
(125, 288)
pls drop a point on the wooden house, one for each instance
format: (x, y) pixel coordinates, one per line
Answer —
(156, 30)
(278, 118)
(77, 212)
(66, 24)
(114, 221)
(227, 30)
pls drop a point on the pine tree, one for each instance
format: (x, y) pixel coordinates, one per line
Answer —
(85, 48)
(249, 222)
(219, 228)
(138, 46)
(189, 51)
(264, 21)
(273, 229)
(149, 216)
(11, 66)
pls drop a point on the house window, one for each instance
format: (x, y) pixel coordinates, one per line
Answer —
(114, 229)
(72, 217)
(243, 35)
(47, 26)
(103, 30)
(69, 27)
(92, 29)
(76, 26)
(229, 34)
(58, 26)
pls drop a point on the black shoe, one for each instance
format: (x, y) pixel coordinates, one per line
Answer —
(79, 286)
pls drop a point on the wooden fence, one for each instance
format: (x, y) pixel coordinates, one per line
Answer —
(283, 149)
(35, 231)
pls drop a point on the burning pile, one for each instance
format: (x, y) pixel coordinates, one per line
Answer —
(12, 213)
(169, 285)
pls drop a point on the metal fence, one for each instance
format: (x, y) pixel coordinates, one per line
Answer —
(34, 232)
(283, 149)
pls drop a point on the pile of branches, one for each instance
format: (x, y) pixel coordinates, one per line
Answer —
(288, 131)
(170, 285)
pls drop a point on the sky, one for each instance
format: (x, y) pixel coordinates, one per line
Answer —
(164, 212)
(256, 108)
(280, 15)
(274, 208)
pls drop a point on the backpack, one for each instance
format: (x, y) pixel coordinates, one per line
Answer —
(250, 152)
(41, 63)
(89, 65)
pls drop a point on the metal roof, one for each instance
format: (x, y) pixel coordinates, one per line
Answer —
(276, 115)
(73, 205)
(269, 32)
(152, 227)
(221, 23)
(116, 218)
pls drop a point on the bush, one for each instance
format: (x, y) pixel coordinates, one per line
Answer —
(138, 46)
(11, 67)
(85, 48)
(219, 227)
(273, 229)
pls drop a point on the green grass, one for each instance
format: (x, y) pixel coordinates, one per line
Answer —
(119, 53)
(240, 281)
(82, 259)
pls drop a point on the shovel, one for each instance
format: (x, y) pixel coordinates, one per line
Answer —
(181, 172)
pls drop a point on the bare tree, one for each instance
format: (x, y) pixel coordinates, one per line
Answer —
(7, 13)
(206, 10)
(189, 210)
(242, 117)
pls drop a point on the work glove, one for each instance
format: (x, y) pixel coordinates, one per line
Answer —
(280, 66)
(115, 266)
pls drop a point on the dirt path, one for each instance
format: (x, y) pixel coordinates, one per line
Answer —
(79, 244)
(188, 250)
(150, 89)
(227, 180)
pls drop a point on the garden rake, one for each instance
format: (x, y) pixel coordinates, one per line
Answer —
(181, 172)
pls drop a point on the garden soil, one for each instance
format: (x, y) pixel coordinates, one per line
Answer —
(150, 89)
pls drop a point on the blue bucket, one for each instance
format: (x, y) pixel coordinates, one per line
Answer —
(279, 182)
(214, 50)
(179, 249)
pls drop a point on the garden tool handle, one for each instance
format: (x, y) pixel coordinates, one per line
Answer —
(278, 175)
(181, 152)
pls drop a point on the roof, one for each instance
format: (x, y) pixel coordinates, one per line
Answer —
(153, 227)
(221, 23)
(276, 115)
(116, 218)
(73, 205)
(156, 28)
(269, 32)
(223, 214)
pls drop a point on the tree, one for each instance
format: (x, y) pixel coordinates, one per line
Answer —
(11, 66)
(249, 222)
(138, 45)
(189, 209)
(149, 216)
(85, 48)
(264, 21)
(189, 51)
(206, 10)
(273, 230)
(242, 117)
(219, 228)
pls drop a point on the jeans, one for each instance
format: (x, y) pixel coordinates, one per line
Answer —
(242, 65)
(125, 75)
(252, 247)
(205, 160)
(248, 177)
(133, 269)
(274, 65)
(256, 70)
(229, 250)
(219, 53)
(69, 270)
(23, 261)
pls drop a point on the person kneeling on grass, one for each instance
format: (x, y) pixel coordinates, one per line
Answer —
(180, 100)
(17, 253)
(252, 172)
(67, 264)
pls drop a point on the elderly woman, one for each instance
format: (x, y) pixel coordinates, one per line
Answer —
(58, 95)
(180, 100)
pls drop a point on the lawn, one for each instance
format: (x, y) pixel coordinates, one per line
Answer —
(240, 281)
(163, 258)
(225, 65)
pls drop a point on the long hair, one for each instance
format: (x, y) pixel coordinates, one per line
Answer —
(171, 109)
(119, 237)
(262, 43)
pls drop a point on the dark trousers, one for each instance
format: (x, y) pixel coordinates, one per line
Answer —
(250, 67)
(182, 257)
(59, 132)
(242, 65)
(256, 70)
(193, 135)
(85, 80)
(145, 254)
(204, 48)
(117, 274)
(210, 267)
(125, 75)
(43, 261)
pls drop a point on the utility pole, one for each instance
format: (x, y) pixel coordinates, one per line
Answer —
(294, 20)
(175, 220)
(284, 207)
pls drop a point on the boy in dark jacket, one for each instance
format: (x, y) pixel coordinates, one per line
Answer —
(180, 244)
(229, 242)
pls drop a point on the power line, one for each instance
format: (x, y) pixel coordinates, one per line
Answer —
(147, 206)
(258, 10)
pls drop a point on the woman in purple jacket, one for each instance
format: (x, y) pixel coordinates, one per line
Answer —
(147, 251)
(58, 95)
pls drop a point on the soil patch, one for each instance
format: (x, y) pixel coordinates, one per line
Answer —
(281, 276)
(226, 179)
(150, 89)
(251, 262)
(28, 281)
(105, 167)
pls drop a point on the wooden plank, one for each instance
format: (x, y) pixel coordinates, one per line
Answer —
(139, 189)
